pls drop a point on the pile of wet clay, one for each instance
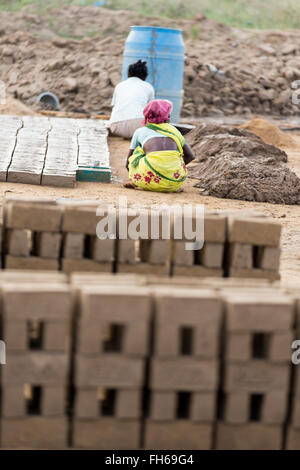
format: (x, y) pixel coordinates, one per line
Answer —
(234, 163)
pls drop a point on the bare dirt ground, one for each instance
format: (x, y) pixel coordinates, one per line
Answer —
(289, 216)
(77, 53)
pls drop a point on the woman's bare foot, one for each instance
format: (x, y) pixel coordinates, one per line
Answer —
(129, 186)
(180, 190)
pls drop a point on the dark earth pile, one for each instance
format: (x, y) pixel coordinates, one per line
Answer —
(236, 164)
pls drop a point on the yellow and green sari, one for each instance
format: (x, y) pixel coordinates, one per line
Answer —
(162, 171)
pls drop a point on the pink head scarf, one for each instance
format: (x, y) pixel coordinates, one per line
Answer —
(157, 111)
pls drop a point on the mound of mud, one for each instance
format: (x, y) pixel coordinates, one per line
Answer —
(209, 140)
(269, 133)
(248, 180)
(241, 166)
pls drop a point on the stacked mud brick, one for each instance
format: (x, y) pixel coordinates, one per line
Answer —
(204, 262)
(32, 235)
(256, 383)
(184, 369)
(82, 249)
(141, 255)
(61, 235)
(254, 247)
(293, 435)
(113, 343)
(36, 316)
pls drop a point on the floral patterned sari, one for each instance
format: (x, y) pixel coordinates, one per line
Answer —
(163, 170)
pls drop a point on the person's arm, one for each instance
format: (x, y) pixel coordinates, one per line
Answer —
(128, 156)
(188, 155)
(133, 145)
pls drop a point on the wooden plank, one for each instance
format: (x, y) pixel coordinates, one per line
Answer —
(29, 155)
(9, 128)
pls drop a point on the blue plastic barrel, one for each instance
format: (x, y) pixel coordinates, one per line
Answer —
(163, 49)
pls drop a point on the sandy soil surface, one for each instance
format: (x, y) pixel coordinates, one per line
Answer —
(289, 216)
(77, 53)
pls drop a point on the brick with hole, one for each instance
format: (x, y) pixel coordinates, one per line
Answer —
(186, 340)
(118, 323)
(196, 333)
(240, 255)
(95, 402)
(106, 433)
(73, 245)
(267, 408)
(34, 216)
(49, 401)
(19, 242)
(242, 347)
(48, 244)
(250, 436)
(172, 405)
(180, 435)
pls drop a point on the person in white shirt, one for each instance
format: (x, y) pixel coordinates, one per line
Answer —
(129, 100)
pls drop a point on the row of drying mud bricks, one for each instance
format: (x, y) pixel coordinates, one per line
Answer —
(216, 377)
(54, 237)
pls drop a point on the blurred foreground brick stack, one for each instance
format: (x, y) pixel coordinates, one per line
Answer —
(131, 361)
(36, 316)
(257, 368)
(113, 342)
(61, 235)
(184, 369)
